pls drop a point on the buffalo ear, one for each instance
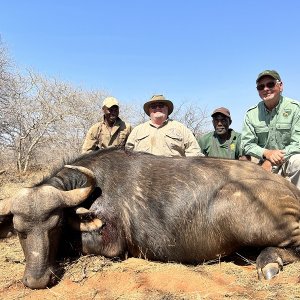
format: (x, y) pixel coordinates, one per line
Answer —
(6, 225)
(92, 225)
(5, 207)
(85, 221)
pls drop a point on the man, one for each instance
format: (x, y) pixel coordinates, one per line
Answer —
(223, 142)
(271, 130)
(110, 131)
(161, 135)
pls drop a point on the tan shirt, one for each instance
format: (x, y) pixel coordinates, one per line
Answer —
(170, 139)
(100, 135)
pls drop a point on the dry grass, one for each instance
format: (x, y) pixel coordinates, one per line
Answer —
(96, 277)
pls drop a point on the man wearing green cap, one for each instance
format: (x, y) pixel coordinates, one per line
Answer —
(162, 135)
(271, 130)
(223, 142)
(111, 131)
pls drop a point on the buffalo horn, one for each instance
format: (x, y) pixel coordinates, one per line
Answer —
(77, 196)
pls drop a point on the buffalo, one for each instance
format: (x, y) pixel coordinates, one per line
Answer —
(185, 210)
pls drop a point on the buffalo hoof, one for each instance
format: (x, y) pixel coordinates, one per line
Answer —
(270, 270)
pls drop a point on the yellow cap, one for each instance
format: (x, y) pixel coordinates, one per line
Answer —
(109, 102)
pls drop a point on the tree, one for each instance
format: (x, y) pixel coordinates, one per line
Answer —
(46, 117)
(193, 117)
(7, 83)
(43, 119)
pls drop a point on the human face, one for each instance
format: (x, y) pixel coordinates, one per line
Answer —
(111, 114)
(221, 124)
(270, 95)
(158, 110)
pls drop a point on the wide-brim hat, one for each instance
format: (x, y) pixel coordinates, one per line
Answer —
(272, 73)
(158, 98)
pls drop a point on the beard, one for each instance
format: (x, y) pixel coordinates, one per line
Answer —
(159, 115)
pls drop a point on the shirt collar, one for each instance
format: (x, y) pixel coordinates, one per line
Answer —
(162, 125)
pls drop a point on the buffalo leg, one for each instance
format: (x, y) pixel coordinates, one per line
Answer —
(270, 261)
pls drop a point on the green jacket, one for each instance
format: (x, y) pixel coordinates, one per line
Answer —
(210, 145)
(276, 129)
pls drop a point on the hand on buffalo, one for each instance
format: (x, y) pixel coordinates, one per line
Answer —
(276, 157)
(245, 157)
(266, 165)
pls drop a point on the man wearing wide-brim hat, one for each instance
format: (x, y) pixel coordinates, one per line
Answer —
(271, 130)
(110, 131)
(162, 135)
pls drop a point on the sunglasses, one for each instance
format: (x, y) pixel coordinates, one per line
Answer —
(155, 105)
(269, 85)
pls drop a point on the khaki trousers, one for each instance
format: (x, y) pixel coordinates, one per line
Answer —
(291, 170)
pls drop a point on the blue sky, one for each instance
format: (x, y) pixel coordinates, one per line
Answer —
(203, 52)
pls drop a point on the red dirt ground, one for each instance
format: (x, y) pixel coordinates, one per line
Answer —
(93, 277)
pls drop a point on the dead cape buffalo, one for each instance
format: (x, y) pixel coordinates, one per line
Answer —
(169, 209)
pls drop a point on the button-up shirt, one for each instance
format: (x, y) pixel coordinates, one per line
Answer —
(211, 146)
(276, 129)
(100, 135)
(172, 138)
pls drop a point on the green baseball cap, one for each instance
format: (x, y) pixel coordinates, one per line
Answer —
(271, 73)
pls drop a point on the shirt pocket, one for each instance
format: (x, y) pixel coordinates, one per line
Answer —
(283, 133)
(262, 132)
(142, 143)
(174, 141)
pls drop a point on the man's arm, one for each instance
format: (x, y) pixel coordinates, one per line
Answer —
(239, 154)
(130, 143)
(91, 141)
(249, 140)
(202, 141)
(294, 145)
(192, 147)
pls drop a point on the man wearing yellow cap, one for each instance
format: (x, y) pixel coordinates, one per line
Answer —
(162, 135)
(271, 130)
(110, 131)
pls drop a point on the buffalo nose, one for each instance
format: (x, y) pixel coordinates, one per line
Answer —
(37, 283)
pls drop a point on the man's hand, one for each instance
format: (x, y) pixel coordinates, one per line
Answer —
(245, 157)
(266, 165)
(276, 157)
